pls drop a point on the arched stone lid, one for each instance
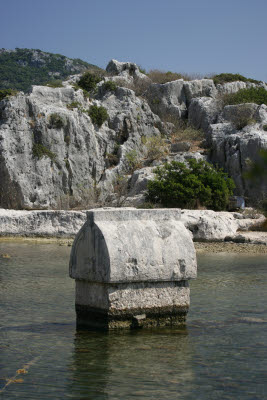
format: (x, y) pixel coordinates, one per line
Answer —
(133, 245)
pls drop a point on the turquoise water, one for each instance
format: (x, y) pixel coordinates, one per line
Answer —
(220, 355)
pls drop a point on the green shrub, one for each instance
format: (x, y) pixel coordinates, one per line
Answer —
(142, 70)
(110, 86)
(132, 161)
(74, 104)
(89, 81)
(55, 84)
(227, 77)
(56, 121)
(256, 95)
(189, 186)
(39, 151)
(265, 128)
(6, 93)
(98, 115)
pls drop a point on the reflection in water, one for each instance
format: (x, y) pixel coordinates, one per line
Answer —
(133, 364)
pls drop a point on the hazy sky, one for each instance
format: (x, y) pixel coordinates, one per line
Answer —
(201, 36)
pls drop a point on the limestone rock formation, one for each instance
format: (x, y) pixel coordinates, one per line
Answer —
(204, 225)
(50, 149)
(52, 155)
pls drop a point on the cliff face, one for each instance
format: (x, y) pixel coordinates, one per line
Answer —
(42, 161)
(53, 156)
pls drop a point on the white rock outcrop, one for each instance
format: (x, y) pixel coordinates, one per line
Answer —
(204, 225)
(45, 163)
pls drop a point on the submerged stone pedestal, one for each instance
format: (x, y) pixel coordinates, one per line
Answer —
(131, 268)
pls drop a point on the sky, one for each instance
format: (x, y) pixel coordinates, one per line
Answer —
(193, 36)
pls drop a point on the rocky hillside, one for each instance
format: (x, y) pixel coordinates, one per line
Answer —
(64, 147)
(21, 68)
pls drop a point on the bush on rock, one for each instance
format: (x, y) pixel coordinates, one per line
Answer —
(190, 185)
(89, 81)
(257, 95)
(98, 115)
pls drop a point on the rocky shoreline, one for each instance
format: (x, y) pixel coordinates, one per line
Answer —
(211, 231)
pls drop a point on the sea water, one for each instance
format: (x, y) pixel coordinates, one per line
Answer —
(220, 355)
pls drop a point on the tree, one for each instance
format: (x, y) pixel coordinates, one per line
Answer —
(196, 183)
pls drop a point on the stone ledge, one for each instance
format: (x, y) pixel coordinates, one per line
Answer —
(133, 214)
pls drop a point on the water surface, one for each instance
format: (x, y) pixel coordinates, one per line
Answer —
(221, 354)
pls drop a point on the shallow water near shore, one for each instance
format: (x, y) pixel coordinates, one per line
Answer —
(220, 355)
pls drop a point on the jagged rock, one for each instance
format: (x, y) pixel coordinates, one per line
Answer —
(74, 162)
(233, 87)
(199, 88)
(167, 99)
(173, 98)
(126, 72)
(239, 115)
(208, 225)
(78, 162)
(183, 157)
(235, 152)
(202, 112)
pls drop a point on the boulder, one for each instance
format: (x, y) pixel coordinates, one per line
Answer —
(202, 112)
(167, 100)
(208, 225)
(180, 147)
(199, 88)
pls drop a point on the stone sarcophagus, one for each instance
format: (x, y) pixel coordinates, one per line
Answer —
(131, 268)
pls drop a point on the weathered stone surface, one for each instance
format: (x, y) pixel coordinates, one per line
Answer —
(208, 225)
(76, 162)
(41, 223)
(139, 245)
(202, 112)
(68, 223)
(131, 305)
(199, 88)
(126, 72)
(167, 99)
(235, 152)
(240, 114)
(131, 268)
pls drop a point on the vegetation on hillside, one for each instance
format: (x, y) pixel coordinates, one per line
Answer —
(98, 115)
(21, 68)
(190, 185)
(227, 77)
(89, 80)
(257, 95)
(6, 93)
